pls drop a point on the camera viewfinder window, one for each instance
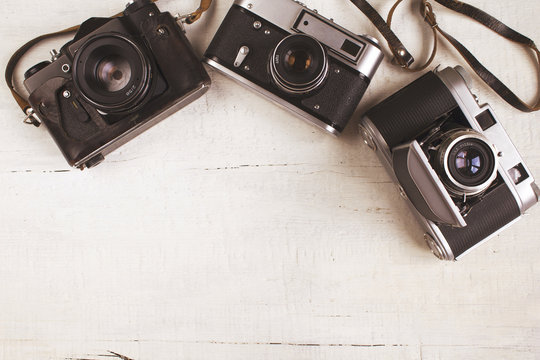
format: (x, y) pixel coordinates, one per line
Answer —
(486, 120)
(518, 173)
(350, 48)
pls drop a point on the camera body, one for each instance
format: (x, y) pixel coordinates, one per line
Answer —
(297, 58)
(117, 78)
(452, 160)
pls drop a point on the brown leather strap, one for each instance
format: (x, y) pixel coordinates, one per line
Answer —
(480, 16)
(196, 15)
(16, 57)
(498, 27)
(427, 12)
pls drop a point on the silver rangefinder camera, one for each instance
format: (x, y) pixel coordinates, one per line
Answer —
(453, 161)
(297, 58)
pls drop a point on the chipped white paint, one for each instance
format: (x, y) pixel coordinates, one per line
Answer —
(235, 231)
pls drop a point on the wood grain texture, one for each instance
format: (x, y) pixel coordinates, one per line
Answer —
(233, 230)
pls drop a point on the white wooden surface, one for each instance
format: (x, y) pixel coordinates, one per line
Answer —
(233, 230)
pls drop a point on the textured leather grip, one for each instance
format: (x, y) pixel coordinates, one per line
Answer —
(496, 210)
(412, 110)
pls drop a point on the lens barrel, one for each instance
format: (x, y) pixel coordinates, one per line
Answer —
(112, 73)
(466, 162)
(299, 64)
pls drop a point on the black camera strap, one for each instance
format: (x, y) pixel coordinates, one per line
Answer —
(403, 58)
(18, 55)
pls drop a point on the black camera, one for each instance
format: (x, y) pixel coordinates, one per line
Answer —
(453, 161)
(297, 58)
(114, 80)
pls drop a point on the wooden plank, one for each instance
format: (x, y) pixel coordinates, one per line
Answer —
(233, 230)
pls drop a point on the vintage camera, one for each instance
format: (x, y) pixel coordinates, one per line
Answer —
(453, 161)
(297, 58)
(114, 80)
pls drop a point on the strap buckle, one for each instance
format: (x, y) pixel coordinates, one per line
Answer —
(427, 12)
(31, 118)
(402, 58)
(196, 15)
(182, 19)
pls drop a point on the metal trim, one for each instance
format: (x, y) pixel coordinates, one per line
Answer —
(279, 101)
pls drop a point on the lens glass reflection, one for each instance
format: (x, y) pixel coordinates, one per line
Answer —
(113, 73)
(469, 162)
(298, 60)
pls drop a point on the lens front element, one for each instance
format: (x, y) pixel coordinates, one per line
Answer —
(298, 61)
(299, 64)
(469, 163)
(113, 73)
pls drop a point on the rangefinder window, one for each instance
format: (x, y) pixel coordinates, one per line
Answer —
(351, 48)
(486, 120)
(518, 174)
(335, 38)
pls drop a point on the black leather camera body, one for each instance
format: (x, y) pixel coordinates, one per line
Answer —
(452, 160)
(297, 58)
(114, 80)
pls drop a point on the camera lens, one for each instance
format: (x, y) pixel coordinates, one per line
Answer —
(299, 64)
(112, 73)
(469, 162)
